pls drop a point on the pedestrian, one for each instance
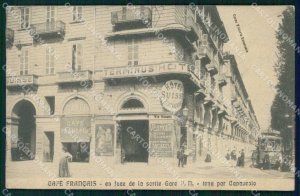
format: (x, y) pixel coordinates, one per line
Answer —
(228, 155)
(242, 157)
(238, 163)
(253, 158)
(180, 156)
(63, 163)
(208, 157)
(122, 156)
(233, 155)
(185, 155)
(266, 162)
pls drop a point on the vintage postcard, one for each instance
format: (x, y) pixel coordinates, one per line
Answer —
(192, 97)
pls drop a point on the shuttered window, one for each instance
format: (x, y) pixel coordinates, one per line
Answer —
(49, 61)
(77, 55)
(24, 62)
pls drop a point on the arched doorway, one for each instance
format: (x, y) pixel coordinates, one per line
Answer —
(134, 132)
(23, 145)
(76, 129)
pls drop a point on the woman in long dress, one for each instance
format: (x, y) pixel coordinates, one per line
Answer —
(63, 164)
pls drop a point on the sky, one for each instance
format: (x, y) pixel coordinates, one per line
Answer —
(260, 40)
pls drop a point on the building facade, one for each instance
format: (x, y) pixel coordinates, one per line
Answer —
(127, 84)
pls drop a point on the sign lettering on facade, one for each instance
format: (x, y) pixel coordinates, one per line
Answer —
(19, 80)
(75, 129)
(156, 69)
(172, 95)
(161, 139)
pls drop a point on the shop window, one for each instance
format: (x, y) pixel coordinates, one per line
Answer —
(51, 102)
(48, 146)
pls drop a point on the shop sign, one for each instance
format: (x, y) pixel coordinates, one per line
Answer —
(161, 139)
(146, 70)
(75, 129)
(172, 95)
(104, 139)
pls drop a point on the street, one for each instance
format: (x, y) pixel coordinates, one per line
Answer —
(26, 169)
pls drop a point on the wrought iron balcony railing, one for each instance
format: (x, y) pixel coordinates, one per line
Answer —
(131, 15)
(50, 29)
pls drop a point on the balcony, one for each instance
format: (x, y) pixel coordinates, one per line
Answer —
(222, 80)
(50, 30)
(22, 81)
(75, 77)
(9, 33)
(205, 52)
(195, 29)
(129, 18)
(212, 68)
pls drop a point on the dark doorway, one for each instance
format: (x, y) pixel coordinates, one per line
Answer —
(135, 140)
(80, 151)
(24, 131)
(48, 148)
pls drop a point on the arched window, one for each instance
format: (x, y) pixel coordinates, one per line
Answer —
(133, 104)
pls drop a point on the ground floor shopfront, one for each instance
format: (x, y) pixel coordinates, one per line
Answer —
(134, 127)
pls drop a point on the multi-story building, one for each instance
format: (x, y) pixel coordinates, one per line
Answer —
(127, 84)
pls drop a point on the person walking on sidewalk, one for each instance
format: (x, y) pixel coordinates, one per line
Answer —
(180, 156)
(242, 158)
(208, 157)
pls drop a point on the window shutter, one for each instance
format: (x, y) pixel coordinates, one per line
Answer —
(47, 61)
(79, 56)
(73, 56)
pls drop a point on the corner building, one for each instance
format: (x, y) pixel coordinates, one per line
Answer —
(126, 84)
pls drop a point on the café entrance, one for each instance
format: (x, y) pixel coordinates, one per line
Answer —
(134, 140)
(24, 130)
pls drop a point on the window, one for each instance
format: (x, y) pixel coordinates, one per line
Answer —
(49, 61)
(25, 18)
(133, 52)
(132, 103)
(24, 62)
(50, 18)
(77, 13)
(76, 56)
(205, 40)
(50, 14)
(213, 84)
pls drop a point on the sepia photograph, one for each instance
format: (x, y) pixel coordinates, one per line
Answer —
(161, 97)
